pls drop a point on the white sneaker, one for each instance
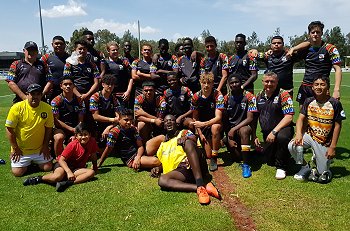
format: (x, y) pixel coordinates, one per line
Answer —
(303, 172)
(280, 174)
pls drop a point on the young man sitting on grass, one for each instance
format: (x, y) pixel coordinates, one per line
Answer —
(318, 128)
(71, 164)
(126, 141)
(181, 165)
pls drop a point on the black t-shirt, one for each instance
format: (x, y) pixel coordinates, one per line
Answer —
(178, 101)
(215, 65)
(190, 72)
(283, 67)
(319, 60)
(272, 110)
(121, 70)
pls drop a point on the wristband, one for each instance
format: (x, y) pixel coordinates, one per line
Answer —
(111, 120)
(152, 121)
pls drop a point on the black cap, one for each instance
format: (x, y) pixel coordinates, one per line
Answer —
(33, 87)
(30, 44)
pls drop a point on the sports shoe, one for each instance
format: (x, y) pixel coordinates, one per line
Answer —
(32, 180)
(303, 172)
(213, 165)
(313, 175)
(213, 191)
(280, 174)
(203, 196)
(63, 185)
(325, 177)
(246, 172)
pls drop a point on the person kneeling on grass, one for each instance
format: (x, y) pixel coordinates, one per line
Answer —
(71, 166)
(318, 128)
(126, 141)
(181, 164)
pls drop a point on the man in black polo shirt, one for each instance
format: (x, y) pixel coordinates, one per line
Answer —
(215, 62)
(93, 54)
(56, 60)
(275, 108)
(243, 63)
(29, 70)
(189, 67)
(162, 64)
(279, 63)
(319, 57)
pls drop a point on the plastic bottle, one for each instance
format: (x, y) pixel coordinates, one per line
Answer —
(300, 154)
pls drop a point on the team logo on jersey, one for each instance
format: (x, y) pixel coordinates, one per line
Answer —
(88, 69)
(243, 105)
(182, 65)
(95, 59)
(170, 63)
(321, 57)
(121, 67)
(342, 113)
(290, 101)
(43, 115)
(76, 108)
(284, 59)
(244, 62)
(182, 98)
(212, 105)
(39, 68)
(275, 100)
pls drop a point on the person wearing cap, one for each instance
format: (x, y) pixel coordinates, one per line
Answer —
(149, 111)
(29, 128)
(55, 61)
(26, 71)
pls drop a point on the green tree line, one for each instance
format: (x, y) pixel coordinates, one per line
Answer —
(103, 36)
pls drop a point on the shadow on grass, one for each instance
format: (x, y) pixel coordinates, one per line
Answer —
(103, 170)
(342, 153)
(339, 172)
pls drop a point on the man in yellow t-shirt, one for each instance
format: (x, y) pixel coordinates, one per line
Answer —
(181, 163)
(29, 128)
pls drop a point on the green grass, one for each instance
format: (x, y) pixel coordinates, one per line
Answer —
(120, 199)
(293, 205)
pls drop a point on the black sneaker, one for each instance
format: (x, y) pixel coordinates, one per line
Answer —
(325, 177)
(32, 180)
(63, 185)
(313, 175)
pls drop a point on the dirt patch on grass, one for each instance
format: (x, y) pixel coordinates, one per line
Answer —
(239, 212)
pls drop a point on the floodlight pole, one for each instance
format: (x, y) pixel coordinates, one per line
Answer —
(42, 31)
(138, 29)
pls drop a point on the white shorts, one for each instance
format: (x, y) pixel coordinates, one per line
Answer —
(27, 160)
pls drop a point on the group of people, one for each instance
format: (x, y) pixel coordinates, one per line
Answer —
(170, 113)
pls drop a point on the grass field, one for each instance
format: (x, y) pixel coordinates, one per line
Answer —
(120, 199)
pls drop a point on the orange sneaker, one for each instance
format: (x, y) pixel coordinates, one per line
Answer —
(203, 196)
(213, 191)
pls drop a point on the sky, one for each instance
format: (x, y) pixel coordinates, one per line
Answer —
(166, 19)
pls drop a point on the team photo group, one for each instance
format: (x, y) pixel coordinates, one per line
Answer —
(170, 114)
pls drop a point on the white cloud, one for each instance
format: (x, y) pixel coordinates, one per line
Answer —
(273, 10)
(116, 27)
(177, 35)
(73, 8)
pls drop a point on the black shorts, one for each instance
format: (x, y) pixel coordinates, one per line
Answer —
(305, 91)
(186, 170)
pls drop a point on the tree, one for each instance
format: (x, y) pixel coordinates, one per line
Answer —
(337, 38)
(295, 40)
(204, 34)
(102, 37)
(226, 47)
(77, 34)
(127, 36)
(253, 41)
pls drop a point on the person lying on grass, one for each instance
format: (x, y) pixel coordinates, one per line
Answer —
(125, 140)
(181, 164)
(71, 164)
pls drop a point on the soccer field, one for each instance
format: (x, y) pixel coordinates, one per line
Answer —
(121, 199)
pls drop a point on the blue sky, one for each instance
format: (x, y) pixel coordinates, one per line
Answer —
(169, 19)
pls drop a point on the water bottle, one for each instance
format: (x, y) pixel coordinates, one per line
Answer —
(2, 161)
(300, 154)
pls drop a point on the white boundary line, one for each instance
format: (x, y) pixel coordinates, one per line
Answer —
(3, 96)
